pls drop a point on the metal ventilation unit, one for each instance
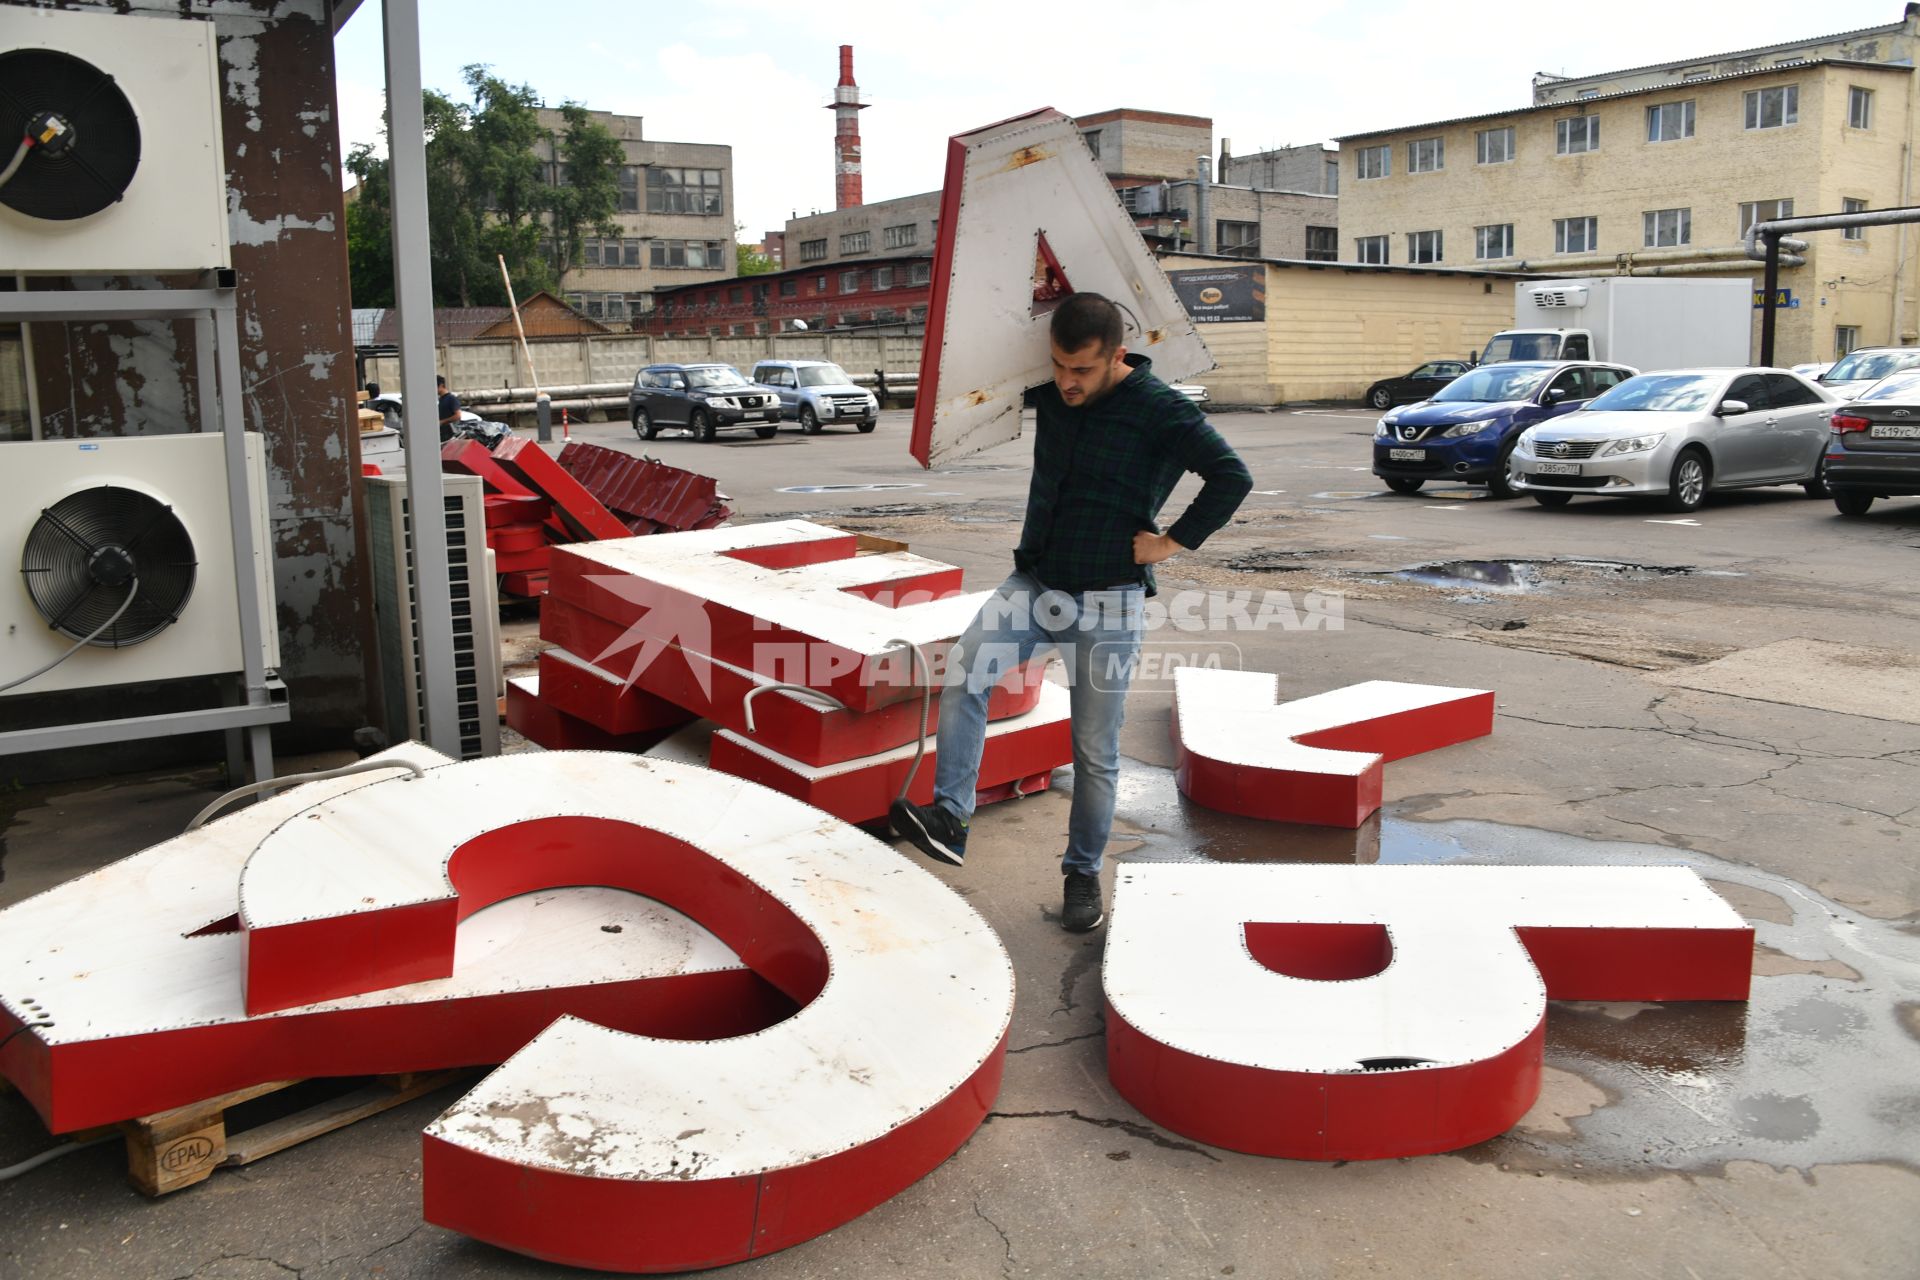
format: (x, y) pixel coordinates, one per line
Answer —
(1569, 297)
(111, 128)
(478, 682)
(123, 547)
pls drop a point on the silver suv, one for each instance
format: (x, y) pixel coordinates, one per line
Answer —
(816, 392)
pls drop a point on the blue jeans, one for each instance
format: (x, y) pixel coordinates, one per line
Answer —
(1098, 635)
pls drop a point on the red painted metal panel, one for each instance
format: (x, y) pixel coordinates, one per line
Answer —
(1303, 1115)
(862, 793)
(927, 390)
(545, 725)
(471, 458)
(506, 538)
(532, 560)
(664, 498)
(524, 582)
(717, 692)
(511, 509)
(528, 463)
(613, 706)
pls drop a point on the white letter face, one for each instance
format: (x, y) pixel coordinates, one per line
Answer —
(1020, 194)
(1317, 759)
(1353, 1013)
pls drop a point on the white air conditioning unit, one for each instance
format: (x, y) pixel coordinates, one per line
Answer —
(126, 174)
(1573, 297)
(478, 682)
(87, 525)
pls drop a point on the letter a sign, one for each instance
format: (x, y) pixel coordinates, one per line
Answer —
(1027, 218)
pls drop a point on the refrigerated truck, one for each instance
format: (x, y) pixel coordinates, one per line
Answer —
(1646, 322)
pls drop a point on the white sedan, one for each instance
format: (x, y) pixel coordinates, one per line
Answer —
(1679, 434)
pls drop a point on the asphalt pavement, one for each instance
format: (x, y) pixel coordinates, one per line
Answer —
(1735, 691)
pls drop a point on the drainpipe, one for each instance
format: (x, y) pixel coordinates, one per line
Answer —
(1631, 263)
(1203, 204)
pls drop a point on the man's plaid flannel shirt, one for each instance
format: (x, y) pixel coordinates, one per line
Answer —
(1102, 473)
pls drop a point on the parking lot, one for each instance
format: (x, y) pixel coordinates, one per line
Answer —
(1736, 690)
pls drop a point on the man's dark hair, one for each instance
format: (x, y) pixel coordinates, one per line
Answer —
(441, 380)
(1084, 318)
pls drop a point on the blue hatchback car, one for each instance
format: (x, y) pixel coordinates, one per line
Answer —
(1466, 431)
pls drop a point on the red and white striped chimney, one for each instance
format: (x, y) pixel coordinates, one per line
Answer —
(846, 107)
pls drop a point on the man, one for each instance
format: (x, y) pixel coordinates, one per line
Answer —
(1111, 442)
(449, 409)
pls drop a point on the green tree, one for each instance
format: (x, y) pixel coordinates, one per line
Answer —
(749, 261)
(587, 196)
(489, 195)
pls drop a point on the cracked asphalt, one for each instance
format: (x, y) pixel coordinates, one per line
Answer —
(1780, 1138)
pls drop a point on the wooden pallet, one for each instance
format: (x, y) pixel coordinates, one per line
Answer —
(173, 1149)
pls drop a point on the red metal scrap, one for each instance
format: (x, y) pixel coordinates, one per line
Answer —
(649, 496)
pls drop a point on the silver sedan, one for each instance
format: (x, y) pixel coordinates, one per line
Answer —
(1679, 434)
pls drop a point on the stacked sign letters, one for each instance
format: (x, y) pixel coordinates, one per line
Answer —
(784, 656)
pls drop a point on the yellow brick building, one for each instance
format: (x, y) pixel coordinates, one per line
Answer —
(1660, 173)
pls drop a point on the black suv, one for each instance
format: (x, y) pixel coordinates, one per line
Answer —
(704, 398)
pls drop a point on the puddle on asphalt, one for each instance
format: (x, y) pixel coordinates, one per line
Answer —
(844, 488)
(1814, 1069)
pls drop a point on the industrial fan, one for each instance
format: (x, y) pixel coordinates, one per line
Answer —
(89, 550)
(110, 155)
(81, 139)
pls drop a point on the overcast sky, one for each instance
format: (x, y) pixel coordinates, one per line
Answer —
(757, 74)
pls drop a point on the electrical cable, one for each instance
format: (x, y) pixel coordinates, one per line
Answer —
(19, 158)
(132, 590)
(319, 775)
(25, 1026)
(746, 703)
(12, 1171)
(920, 666)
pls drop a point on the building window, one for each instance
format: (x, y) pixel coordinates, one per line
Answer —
(1492, 242)
(590, 252)
(629, 189)
(734, 296)
(1670, 121)
(694, 255)
(1495, 146)
(920, 273)
(1237, 239)
(1576, 235)
(1772, 108)
(1093, 142)
(1423, 246)
(1763, 211)
(683, 190)
(1859, 107)
(1323, 244)
(1373, 162)
(1371, 249)
(813, 250)
(856, 242)
(849, 282)
(819, 284)
(883, 277)
(1580, 133)
(1664, 228)
(1845, 338)
(789, 288)
(1849, 205)
(1589, 93)
(1426, 155)
(901, 236)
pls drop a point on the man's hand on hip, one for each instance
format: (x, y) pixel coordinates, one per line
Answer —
(1152, 548)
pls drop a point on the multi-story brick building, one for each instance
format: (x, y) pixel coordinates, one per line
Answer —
(675, 218)
(1660, 170)
(848, 294)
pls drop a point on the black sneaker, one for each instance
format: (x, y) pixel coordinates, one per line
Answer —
(1083, 910)
(933, 831)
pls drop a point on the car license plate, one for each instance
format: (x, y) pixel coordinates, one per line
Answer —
(1894, 431)
(1556, 468)
(1407, 455)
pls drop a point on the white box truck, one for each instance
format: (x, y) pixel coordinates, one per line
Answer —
(1648, 322)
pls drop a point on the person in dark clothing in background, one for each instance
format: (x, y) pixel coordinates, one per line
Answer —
(449, 409)
(1111, 442)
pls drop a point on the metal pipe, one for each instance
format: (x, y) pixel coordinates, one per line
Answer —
(413, 293)
(1577, 263)
(1767, 309)
(1779, 227)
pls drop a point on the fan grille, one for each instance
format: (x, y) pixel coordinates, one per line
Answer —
(95, 165)
(85, 549)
